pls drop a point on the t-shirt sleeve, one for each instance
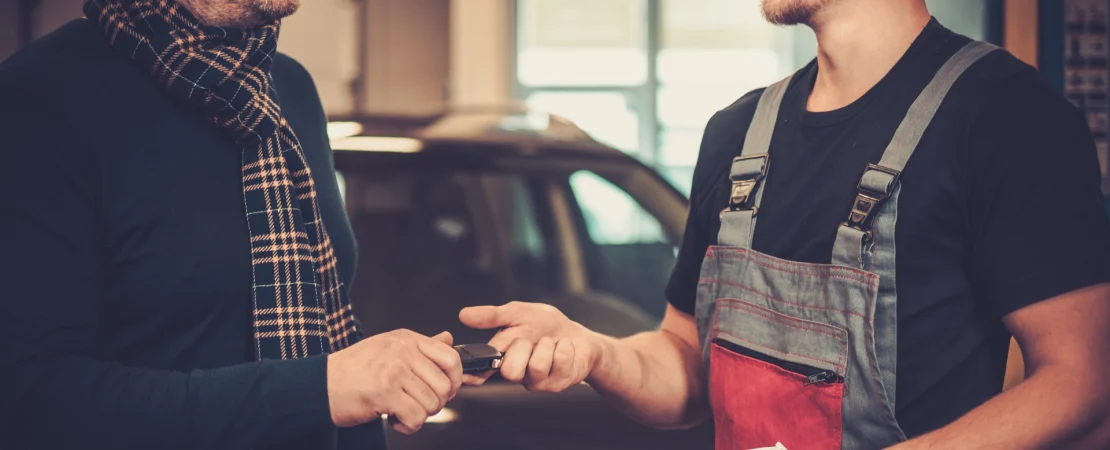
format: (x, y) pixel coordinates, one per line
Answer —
(682, 288)
(721, 142)
(1038, 219)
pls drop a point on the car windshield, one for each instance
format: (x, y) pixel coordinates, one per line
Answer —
(436, 235)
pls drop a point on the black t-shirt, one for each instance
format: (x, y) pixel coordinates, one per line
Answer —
(1000, 208)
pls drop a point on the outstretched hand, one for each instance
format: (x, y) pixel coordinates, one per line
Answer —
(543, 349)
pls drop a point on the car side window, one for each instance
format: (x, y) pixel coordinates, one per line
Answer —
(612, 216)
(627, 254)
(532, 264)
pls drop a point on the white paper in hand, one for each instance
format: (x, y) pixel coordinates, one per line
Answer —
(778, 446)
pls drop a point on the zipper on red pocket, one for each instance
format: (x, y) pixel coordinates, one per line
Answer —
(813, 375)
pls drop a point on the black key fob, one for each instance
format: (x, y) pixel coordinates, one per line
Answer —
(478, 358)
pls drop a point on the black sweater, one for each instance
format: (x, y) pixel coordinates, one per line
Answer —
(125, 312)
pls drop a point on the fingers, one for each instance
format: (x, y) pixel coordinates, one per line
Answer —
(445, 337)
(486, 317)
(503, 338)
(515, 361)
(445, 357)
(423, 394)
(564, 370)
(539, 365)
(408, 415)
(482, 317)
(438, 385)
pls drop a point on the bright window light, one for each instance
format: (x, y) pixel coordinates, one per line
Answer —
(378, 144)
(340, 130)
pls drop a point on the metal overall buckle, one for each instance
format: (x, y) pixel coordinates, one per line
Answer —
(744, 185)
(868, 200)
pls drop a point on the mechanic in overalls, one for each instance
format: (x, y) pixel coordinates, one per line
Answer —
(864, 237)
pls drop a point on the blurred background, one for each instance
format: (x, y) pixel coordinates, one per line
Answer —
(640, 75)
(542, 150)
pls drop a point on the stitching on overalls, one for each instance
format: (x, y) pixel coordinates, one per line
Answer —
(797, 323)
(872, 364)
(755, 344)
(776, 299)
(819, 273)
(843, 359)
(739, 305)
(842, 340)
(751, 255)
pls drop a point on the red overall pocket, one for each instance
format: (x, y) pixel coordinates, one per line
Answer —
(760, 401)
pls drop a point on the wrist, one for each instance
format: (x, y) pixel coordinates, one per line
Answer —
(339, 402)
(601, 351)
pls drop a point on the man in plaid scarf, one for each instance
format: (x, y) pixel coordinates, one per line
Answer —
(176, 253)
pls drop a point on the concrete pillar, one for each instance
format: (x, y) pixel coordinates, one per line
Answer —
(481, 51)
(406, 60)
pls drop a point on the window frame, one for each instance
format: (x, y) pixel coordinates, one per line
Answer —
(643, 97)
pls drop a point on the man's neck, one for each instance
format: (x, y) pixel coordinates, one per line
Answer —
(858, 42)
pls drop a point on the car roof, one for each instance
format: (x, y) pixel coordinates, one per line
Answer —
(498, 129)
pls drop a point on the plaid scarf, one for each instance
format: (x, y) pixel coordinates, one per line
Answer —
(300, 306)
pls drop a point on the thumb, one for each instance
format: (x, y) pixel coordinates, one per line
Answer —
(445, 337)
(483, 317)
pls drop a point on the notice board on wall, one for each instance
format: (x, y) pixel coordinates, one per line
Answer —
(1087, 70)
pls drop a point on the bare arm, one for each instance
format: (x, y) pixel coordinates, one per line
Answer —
(655, 377)
(1065, 401)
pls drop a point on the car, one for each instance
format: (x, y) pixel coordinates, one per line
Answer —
(487, 206)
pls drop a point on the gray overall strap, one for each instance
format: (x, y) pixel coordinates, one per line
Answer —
(879, 181)
(750, 169)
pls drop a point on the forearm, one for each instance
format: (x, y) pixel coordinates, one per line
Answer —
(68, 402)
(655, 377)
(1053, 408)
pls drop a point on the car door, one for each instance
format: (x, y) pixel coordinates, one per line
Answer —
(628, 223)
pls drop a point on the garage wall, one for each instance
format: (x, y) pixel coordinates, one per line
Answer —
(404, 53)
(322, 36)
(404, 49)
(407, 56)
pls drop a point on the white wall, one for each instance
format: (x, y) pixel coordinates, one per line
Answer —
(322, 36)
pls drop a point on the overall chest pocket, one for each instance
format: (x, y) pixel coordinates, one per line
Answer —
(776, 380)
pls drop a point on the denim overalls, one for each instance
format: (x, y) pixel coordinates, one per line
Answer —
(803, 356)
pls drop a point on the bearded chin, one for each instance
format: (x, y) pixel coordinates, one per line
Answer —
(271, 10)
(790, 12)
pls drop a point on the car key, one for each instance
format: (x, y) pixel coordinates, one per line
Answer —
(478, 358)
